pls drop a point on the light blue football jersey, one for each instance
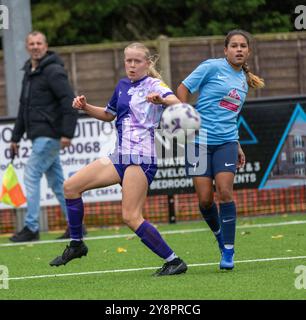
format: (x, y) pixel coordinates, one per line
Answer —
(222, 92)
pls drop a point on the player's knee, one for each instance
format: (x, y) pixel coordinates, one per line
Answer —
(127, 219)
(69, 189)
(205, 204)
(130, 218)
(225, 195)
(130, 222)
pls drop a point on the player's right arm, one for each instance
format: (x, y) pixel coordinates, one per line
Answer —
(80, 103)
(197, 78)
(182, 93)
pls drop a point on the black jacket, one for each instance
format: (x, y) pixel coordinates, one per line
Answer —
(46, 101)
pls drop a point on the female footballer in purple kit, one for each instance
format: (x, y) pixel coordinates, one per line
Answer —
(137, 103)
(222, 85)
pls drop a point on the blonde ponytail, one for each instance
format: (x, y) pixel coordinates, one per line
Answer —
(253, 81)
(152, 72)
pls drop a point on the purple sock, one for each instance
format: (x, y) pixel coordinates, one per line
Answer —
(153, 240)
(75, 210)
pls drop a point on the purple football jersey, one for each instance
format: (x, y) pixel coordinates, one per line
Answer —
(137, 118)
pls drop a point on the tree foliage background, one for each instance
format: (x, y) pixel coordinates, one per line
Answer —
(81, 21)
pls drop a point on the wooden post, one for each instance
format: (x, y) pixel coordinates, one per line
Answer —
(300, 66)
(256, 66)
(164, 53)
(74, 73)
(116, 65)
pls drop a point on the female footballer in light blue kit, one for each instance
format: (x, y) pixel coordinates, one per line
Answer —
(222, 85)
(137, 104)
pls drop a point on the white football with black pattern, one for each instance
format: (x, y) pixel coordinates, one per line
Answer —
(180, 120)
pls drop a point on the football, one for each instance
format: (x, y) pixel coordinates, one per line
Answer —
(180, 121)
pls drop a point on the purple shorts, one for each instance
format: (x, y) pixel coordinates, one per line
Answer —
(147, 164)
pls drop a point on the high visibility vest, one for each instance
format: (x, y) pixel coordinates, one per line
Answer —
(11, 193)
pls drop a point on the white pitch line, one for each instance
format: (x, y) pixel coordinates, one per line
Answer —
(262, 225)
(149, 268)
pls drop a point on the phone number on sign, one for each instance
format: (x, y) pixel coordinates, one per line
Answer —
(88, 147)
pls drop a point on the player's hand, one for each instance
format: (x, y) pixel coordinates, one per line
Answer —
(155, 98)
(79, 102)
(241, 157)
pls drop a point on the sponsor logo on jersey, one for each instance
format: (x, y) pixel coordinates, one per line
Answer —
(232, 101)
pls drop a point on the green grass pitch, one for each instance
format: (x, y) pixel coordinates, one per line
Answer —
(268, 249)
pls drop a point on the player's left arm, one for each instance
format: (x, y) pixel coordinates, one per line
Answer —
(241, 157)
(168, 100)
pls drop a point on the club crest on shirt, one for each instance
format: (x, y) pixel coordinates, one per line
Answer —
(141, 93)
(232, 101)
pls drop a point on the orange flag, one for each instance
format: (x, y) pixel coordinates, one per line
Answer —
(11, 193)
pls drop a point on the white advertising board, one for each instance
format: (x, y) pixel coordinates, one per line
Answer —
(93, 139)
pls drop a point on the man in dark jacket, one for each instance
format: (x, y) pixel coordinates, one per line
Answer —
(47, 117)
